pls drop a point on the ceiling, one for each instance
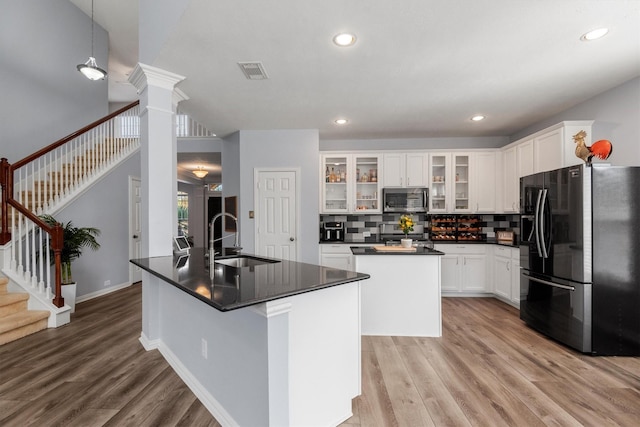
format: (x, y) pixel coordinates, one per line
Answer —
(418, 69)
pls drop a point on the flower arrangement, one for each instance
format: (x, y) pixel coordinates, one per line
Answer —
(406, 224)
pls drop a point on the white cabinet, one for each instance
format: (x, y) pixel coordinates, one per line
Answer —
(440, 191)
(547, 151)
(336, 256)
(463, 268)
(484, 182)
(350, 183)
(525, 158)
(405, 169)
(511, 181)
(506, 274)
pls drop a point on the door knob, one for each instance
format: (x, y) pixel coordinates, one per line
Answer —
(135, 236)
(291, 239)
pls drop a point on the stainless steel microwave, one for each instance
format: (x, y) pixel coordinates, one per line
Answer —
(405, 199)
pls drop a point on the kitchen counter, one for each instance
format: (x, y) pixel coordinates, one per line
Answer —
(230, 288)
(266, 346)
(402, 297)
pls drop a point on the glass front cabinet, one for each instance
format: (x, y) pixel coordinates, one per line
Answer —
(351, 183)
(449, 178)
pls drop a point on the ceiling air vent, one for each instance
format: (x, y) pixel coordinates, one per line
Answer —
(253, 70)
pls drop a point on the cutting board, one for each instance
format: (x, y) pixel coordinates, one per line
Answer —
(393, 249)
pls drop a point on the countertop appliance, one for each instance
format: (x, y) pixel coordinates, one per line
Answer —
(580, 257)
(332, 231)
(406, 200)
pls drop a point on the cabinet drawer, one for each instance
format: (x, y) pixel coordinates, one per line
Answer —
(479, 249)
(335, 249)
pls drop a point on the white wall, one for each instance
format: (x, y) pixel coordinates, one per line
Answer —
(44, 97)
(617, 118)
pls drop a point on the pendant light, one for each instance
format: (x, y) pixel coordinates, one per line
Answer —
(90, 69)
(200, 172)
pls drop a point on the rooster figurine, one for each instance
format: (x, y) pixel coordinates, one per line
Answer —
(601, 149)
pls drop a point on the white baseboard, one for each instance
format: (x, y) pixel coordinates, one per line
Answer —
(209, 402)
(102, 292)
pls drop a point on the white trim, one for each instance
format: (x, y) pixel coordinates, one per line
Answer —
(147, 343)
(102, 292)
(209, 402)
(256, 202)
(144, 75)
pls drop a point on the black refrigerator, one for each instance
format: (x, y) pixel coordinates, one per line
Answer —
(580, 257)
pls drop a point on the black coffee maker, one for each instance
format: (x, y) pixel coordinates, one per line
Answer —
(332, 231)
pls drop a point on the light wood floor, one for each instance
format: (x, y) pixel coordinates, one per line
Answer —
(487, 370)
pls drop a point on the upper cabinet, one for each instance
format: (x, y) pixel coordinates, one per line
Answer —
(405, 169)
(485, 181)
(549, 149)
(350, 183)
(440, 190)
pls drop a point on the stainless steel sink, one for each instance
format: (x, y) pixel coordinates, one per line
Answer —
(244, 261)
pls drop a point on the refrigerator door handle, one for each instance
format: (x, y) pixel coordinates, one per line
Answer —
(545, 254)
(536, 223)
(546, 282)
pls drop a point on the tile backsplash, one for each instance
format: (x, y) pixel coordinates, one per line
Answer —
(358, 225)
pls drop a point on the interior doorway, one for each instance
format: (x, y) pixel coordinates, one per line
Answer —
(214, 207)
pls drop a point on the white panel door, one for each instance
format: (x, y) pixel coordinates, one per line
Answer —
(276, 234)
(135, 228)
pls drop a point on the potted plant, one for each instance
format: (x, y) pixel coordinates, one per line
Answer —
(406, 225)
(75, 239)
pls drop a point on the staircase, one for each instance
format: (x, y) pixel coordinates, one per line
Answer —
(44, 183)
(16, 321)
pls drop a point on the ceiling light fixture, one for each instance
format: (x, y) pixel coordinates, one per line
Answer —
(478, 118)
(200, 172)
(594, 34)
(344, 39)
(90, 69)
(341, 121)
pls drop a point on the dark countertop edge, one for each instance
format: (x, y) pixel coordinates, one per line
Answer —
(436, 242)
(230, 307)
(370, 251)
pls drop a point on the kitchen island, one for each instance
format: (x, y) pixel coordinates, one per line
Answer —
(270, 344)
(402, 298)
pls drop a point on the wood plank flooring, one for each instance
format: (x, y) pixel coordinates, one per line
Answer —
(487, 370)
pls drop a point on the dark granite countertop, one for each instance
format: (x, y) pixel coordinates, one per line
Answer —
(230, 288)
(437, 242)
(365, 250)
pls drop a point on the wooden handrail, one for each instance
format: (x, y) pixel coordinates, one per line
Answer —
(56, 232)
(68, 138)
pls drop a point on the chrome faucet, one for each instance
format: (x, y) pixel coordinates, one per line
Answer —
(236, 246)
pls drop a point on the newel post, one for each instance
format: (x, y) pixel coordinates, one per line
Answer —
(56, 245)
(5, 235)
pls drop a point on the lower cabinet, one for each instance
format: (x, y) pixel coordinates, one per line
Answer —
(337, 256)
(506, 273)
(463, 268)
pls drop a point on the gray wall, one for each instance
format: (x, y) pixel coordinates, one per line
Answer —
(270, 149)
(413, 143)
(617, 118)
(104, 206)
(44, 97)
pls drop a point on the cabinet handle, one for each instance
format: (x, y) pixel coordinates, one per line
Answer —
(400, 181)
(408, 180)
(464, 261)
(508, 267)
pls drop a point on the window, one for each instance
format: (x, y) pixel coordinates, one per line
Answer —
(183, 214)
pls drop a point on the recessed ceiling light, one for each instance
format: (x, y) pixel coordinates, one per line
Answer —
(344, 39)
(477, 118)
(341, 121)
(594, 34)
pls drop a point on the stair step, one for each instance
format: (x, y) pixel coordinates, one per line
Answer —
(18, 325)
(11, 303)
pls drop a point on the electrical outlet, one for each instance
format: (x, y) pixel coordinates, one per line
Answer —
(366, 234)
(107, 282)
(204, 348)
